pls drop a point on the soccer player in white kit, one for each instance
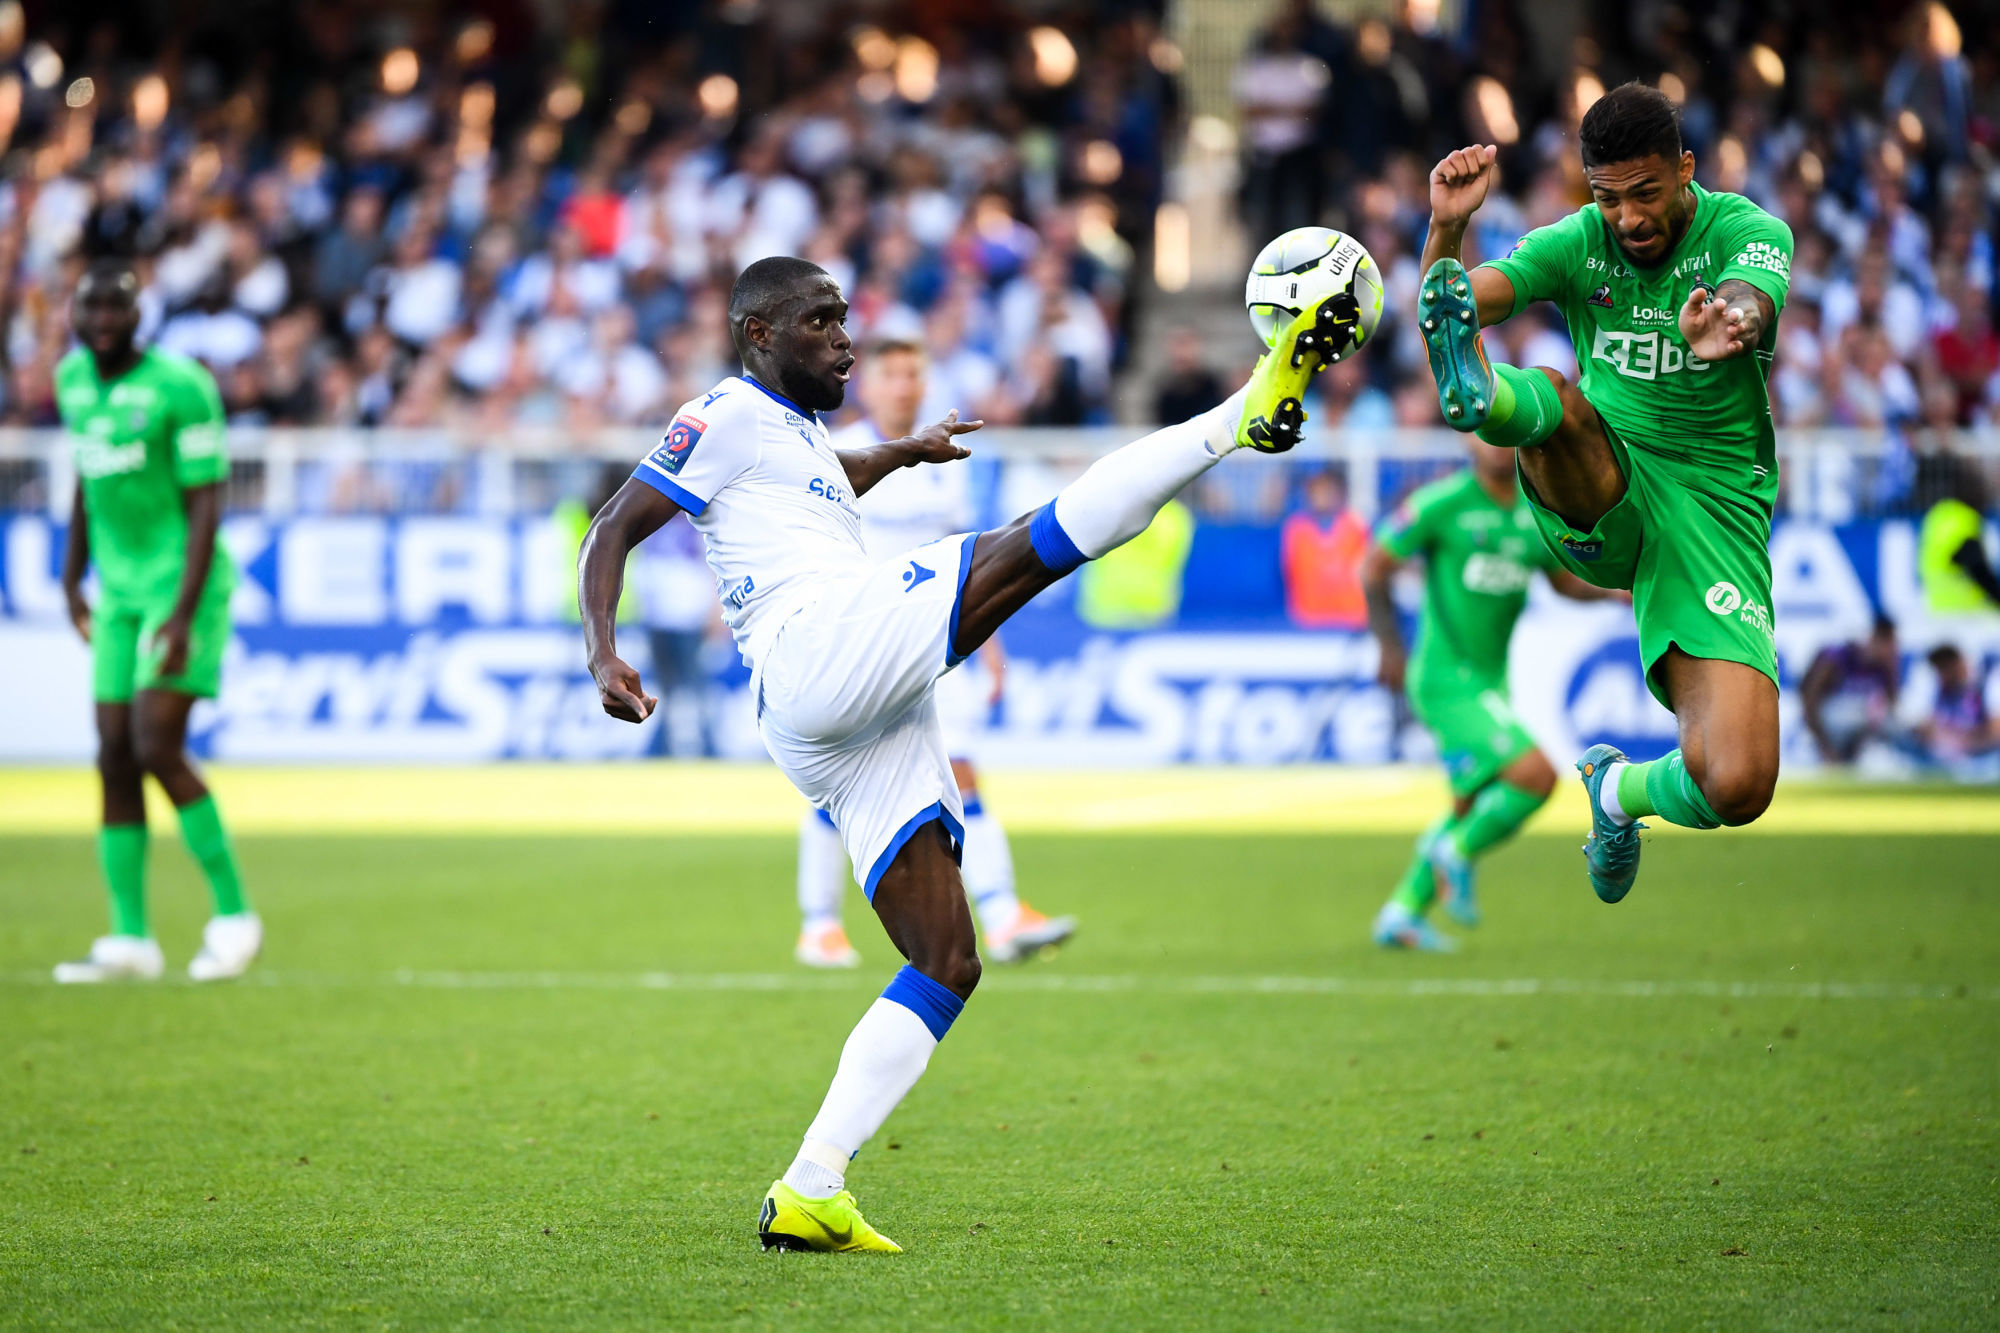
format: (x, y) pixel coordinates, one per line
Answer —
(844, 650)
(906, 509)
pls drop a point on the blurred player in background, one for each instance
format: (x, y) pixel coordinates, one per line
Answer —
(1480, 550)
(1657, 470)
(844, 650)
(147, 429)
(905, 510)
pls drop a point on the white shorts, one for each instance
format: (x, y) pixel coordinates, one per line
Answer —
(846, 705)
(964, 698)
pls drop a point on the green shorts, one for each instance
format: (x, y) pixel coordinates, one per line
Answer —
(124, 659)
(1477, 735)
(1698, 564)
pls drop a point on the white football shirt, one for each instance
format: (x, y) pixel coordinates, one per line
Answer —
(760, 481)
(912, 505)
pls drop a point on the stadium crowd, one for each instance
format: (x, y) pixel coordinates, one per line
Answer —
(490, 225)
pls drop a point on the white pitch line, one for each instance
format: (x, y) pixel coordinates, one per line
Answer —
(1416, 987)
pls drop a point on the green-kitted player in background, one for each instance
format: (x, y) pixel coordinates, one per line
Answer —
(1480, 551)
(147, 432)
(1657, 470)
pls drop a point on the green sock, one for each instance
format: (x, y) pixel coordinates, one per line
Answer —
(1526, 408)
(1417, 889)
(121, 852)
(1663, 787)
(1498, 810)
(208, 842)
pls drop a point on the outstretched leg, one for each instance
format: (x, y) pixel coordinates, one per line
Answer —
(1565, 454)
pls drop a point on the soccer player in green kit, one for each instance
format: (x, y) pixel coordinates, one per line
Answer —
(147, 432)
(1480, 550)
(1656, 471)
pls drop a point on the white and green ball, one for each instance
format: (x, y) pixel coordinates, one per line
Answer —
(1302, 268)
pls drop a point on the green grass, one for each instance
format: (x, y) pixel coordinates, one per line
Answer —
(1101, 1141)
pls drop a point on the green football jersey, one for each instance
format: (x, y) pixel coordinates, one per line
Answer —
(1479, 557)
(1635, 367)
(138, 442)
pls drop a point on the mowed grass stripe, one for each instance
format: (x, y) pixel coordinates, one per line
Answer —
(1413, 988)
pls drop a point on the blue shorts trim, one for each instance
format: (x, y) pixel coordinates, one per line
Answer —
(679, 494)
(1051, 543)
(825, 818)
(934, 811)
(929, 1001)
(952, 659)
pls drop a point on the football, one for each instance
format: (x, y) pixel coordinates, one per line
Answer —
(1302, 268)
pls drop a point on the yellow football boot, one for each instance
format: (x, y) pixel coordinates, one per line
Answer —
(791, 1221)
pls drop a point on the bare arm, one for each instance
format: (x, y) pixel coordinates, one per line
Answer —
(1458, 187)
(1577, 590)
(76, 559)
(932, 444)
(203, 505)
(1378, 567)
(635, 513)
(1725, 322)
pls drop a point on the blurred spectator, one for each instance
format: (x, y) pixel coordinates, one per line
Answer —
(1959, 729)
(1849, 693)
(1952, 562)
(1320, 550)
(1189, 386)
(1281, 87)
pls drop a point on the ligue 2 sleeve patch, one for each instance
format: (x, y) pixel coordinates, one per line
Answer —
(683, 434)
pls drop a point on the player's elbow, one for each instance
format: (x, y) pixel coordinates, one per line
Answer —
(1739, 788)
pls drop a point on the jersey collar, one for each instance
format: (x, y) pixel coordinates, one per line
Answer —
(775, 396)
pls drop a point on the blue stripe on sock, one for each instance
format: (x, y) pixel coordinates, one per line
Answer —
(974, 807)
(1051, 543)
(951, 655)
(928, 1000)
(934, 811)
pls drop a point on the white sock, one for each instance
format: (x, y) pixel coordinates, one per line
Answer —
(884, 1056)
(819, 1171)
(1116, 499)
(988, 871)
(1607, 794)
(822, 873)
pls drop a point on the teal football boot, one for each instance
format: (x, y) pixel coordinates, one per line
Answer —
(1612, 852)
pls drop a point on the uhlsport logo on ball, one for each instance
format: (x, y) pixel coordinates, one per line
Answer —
(1304, 267)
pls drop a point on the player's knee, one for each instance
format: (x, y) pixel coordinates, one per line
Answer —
(1555, 378)
(1738, 788)
(1532, 773)
(958, 971)
(117, 762)
(157, 755)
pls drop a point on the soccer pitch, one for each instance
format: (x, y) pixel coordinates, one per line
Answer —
(542, 1077)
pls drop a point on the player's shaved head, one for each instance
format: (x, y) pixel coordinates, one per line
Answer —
(109, 279)
(105, 313)
(765, 288)
(789, 323)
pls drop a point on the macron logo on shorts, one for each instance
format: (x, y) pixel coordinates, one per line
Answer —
(1724, 598)
(682, 436)
(916, 574)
